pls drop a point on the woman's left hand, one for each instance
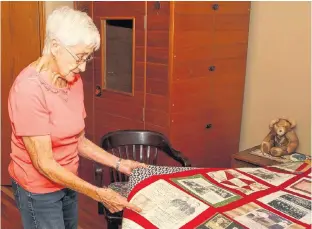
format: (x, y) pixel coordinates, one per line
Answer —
(126, 166)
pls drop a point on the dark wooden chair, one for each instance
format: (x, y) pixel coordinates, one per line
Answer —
(139, 145)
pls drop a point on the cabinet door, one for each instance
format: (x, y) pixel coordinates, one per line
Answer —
(119, 67)
(231, 25)
(157, 66)
(209, 62)
(20, 22)
(191, 126)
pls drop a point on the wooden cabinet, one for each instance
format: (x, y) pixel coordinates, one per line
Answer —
(186, 78)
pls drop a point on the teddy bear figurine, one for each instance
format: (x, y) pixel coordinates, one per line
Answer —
(282, 139)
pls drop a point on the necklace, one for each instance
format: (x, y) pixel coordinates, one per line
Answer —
(62, 92)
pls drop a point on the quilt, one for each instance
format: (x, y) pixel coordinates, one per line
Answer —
(273, 197)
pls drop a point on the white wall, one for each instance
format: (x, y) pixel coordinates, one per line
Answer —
(278, 78)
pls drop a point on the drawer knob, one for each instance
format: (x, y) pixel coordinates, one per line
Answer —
(215, 6)
(157, 5)
(208, 126)
(98, 91)
(212, 68)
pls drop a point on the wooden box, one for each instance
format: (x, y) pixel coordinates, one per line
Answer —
(186, 75)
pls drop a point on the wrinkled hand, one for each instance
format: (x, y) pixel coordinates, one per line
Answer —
(126, 166)
(113, 201)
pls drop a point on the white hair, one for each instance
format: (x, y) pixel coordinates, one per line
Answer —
(71, 27)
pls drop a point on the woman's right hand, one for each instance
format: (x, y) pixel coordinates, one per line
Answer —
(113, 201)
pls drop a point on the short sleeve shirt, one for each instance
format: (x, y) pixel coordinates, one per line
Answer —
(37, 108)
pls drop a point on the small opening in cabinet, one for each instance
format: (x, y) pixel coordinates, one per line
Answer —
(118, 54)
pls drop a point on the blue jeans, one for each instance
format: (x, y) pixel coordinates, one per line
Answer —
(56, 210)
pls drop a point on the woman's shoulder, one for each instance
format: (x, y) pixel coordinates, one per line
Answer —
(26, 84)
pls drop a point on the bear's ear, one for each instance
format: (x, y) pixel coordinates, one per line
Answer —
(292, 123)
(273, 122)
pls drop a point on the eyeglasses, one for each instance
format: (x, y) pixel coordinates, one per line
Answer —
(79, 60)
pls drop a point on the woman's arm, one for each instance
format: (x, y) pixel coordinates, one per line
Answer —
(41, 155)
(91, 151)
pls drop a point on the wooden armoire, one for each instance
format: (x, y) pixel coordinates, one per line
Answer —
(174, 67)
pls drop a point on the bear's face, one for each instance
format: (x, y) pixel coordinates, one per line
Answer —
(282, 127)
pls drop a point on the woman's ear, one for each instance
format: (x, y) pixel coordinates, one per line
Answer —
(55, 46)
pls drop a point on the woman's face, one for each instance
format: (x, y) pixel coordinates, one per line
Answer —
(71, 60)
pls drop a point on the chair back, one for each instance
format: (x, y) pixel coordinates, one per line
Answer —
(138, 145)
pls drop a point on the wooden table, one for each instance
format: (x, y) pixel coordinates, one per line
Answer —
(245, 159)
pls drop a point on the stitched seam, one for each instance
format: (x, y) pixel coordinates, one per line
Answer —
(30, 205)
(18, 196)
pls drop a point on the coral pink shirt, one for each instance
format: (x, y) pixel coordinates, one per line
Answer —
(38, 108)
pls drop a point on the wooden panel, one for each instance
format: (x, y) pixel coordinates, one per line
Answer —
(122, 8)
(157, 55)
(225, 37)
(117, 122)
(230, 51)
(198, 148)
(157, 102)
(121, 109)
(157, 87)
(139, 69)
(20, 23)
(208, 148)
(158, 118)
(163, 130)
(139, 84)
(139, 54)
(190, 39)
(190, 7)
(192, 70)
(194, 86)
(193, 22)
(139, 37)
(156, 71)
(189, 123)
(158, 23)
(84, 6)
(233, 7)
(193, 54)
(231, 22)
(137, 100)
(158, 39)
(199, 101)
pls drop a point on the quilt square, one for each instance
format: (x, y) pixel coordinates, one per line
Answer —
(253, 216)
(202, 188)
(235, 180)
(219, 221)
(302, 186)
(289, 204)
(166, 206)
(273, 178)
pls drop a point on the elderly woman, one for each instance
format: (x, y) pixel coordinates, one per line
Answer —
(46, 109)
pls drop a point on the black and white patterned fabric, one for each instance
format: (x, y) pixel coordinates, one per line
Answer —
(140, 174)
